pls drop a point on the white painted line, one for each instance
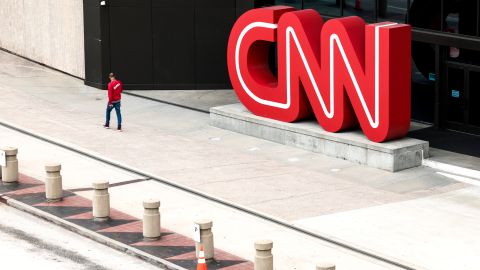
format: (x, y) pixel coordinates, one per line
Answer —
(462, 179)
(457, 170)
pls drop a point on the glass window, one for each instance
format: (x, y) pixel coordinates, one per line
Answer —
(292, 3)
(425, 14)
(262, 3)
(324, 7)
(459, 16)
(361, 8)
(462, 15)
(474, 99)
(393, 10)
(455, 93)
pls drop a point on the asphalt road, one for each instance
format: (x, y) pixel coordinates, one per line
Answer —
(27, 242)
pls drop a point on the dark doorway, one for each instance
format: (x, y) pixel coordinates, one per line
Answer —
(173, 44)
(131, 42)
(160, 44)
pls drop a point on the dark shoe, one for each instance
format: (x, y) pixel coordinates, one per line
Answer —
(119, 128)
(106, 126)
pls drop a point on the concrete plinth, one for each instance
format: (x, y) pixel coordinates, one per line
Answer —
(349, 145)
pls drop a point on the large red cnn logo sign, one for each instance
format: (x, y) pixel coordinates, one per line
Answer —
(343, 71)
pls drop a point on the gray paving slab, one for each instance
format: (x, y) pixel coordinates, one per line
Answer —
(455, 159)
(235, 231)
(180, 144)
(443, 231)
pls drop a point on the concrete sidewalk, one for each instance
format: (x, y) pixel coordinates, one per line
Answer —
(201, 100)
(234, 231)
(325, 195)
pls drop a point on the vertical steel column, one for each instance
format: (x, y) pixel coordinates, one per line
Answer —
(478, 18)
(341, 7)
(438, 86)
(466, 96)
(442, 12)
(407, 17)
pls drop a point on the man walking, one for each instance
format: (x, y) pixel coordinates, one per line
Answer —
(115, 89)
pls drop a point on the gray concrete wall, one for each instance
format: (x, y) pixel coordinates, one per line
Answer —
(47, 31)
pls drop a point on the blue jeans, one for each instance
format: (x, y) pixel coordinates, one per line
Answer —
(115, 106)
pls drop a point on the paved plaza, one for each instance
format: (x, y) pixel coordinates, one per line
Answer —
(421, 217)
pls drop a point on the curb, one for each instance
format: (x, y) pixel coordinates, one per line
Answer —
(129, 92)
(90, 234)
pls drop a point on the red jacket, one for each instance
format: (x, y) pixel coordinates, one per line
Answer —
(115, 89)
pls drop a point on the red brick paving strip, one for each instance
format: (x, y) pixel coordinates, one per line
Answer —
(169, 239)
(172, 240)
(74, 201)
(30, 190)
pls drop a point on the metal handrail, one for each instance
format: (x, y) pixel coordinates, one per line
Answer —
(446, 39)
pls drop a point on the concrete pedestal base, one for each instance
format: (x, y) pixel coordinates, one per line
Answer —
(350, 145)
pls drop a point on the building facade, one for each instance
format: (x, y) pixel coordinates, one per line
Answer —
(48, 32)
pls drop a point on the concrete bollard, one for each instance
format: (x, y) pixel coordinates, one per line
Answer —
(206, 238)
(325, 266)
(10, 172)
(151, 219)
(263, 255)
(101, 200)
(53, 182)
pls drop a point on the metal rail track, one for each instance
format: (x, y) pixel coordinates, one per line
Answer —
(240, 208)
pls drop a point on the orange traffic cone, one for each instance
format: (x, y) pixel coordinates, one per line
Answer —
(202, 264)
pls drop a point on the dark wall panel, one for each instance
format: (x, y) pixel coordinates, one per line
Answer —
(94, 30)
(160, 44)
(243, 5)
(173, 44)
(213, 21)
(131, 42)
